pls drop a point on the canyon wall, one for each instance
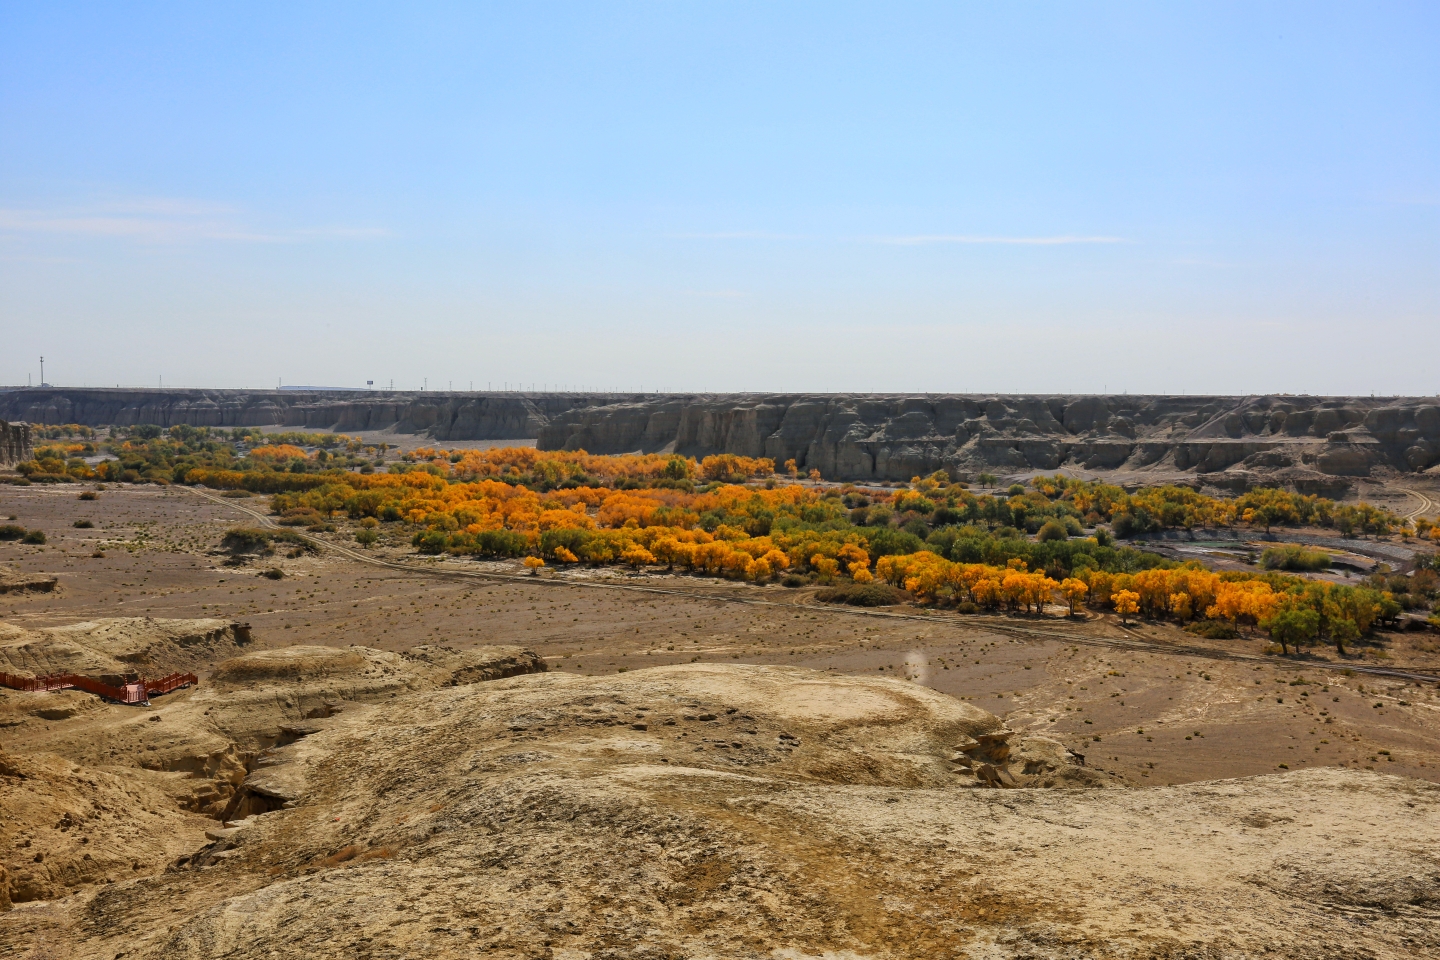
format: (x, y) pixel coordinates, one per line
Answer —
(15, 443)
(1312, 443)
(444, 416)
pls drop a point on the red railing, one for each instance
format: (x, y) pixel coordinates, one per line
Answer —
(138, 692)
(173, 682)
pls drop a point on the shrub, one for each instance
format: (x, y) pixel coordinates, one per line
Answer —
(84, 524)
(33, 536)
(917, 528)
(1290, 557)
(274, 573)
(10, 531)
(256, 540)
(247, 540)
(367, 537)
(236, 494)
(793, 580)
(863, 595)
(98, 554)
(430, 541)
(89, 495)
(1053, 530)
(1212, 629)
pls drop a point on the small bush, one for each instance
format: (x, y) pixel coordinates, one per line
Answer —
(1053, 530)
(793, 580)
(965, 606)
(89, 495)
(98, 554)
(33, 536)
(257, 540)
(247, 540)
(236, 494)
(1294, 558)
(84, 524)
(366, 537)
(1211, 629)
(274, 573)
(430, 541)
(11, 531)
(863, 595)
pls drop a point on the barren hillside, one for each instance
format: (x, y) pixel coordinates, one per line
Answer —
(748, 811)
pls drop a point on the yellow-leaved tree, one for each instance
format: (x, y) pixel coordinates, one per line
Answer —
(1126, 603)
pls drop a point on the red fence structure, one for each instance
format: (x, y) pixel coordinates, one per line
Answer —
(138, 692)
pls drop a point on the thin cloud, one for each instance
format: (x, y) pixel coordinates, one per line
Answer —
(923, 239)
(163, 220)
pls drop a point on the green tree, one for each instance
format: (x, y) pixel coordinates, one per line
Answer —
(1293, 627)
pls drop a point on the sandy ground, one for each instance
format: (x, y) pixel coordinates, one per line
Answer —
(375, 768)
(1161, 716)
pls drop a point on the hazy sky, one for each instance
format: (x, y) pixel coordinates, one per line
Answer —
(1206, 197)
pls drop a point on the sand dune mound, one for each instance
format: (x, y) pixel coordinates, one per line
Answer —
(119, 646)
(769, 812)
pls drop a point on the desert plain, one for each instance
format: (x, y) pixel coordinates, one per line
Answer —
(445, 757)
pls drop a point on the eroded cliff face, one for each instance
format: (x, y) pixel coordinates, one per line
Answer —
(15, 443)
(444, 416)
(1312, 442)
(1316, 444)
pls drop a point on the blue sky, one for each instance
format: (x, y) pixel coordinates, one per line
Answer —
(1235, 198)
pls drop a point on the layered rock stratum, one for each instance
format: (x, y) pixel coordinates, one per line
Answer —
(1317, 444)
(16, 443)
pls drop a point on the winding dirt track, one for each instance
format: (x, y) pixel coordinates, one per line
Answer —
(996, 624)
(1426, 504)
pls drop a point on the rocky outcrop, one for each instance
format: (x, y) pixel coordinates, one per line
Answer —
(15, 443)
(444, 416)
(1313, 440)
(1308, 442)
(119, 646)
(744, 811)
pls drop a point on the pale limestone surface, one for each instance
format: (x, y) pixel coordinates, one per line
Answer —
(738, 811)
